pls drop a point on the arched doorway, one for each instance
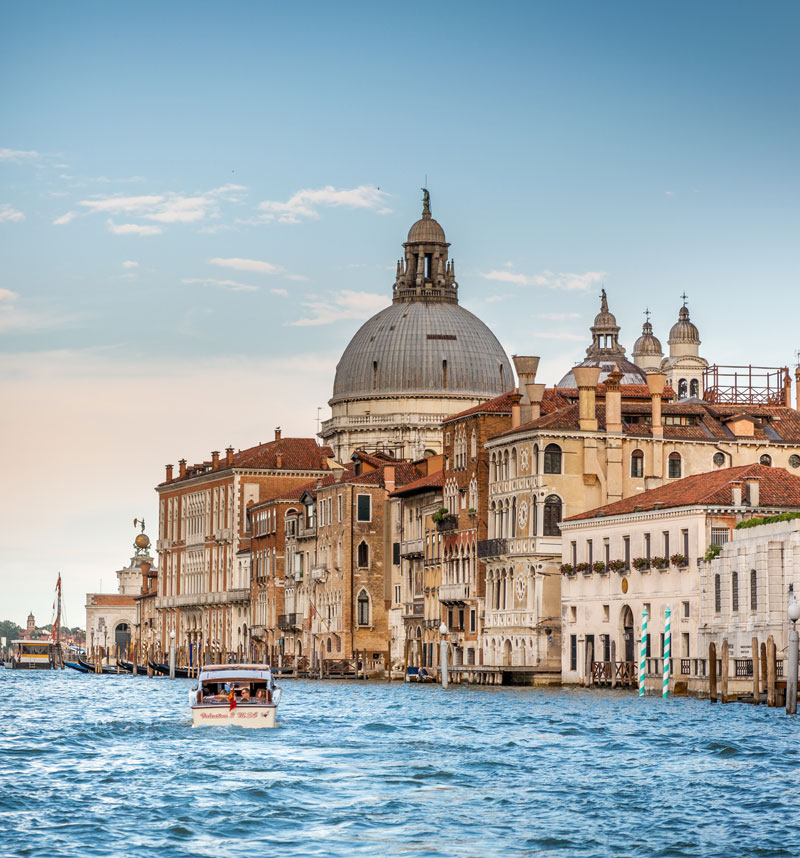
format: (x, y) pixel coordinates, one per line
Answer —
(122, 636)
(627, 633)
(507, 654)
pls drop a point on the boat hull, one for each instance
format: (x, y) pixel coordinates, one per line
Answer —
(252, 716)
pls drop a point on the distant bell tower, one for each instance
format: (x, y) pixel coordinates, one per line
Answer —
(31, 628)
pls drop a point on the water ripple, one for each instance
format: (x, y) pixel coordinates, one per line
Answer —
(106, 766)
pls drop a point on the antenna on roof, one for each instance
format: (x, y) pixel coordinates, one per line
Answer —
(319, 408)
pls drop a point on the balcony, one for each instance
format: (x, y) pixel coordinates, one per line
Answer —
(319, 574)
(411, 548)
(447, 524)
(413, 609)
(258, 632)
(290, 622)
(237, 594)
(492, 548)
(450, 594)
(222, 534)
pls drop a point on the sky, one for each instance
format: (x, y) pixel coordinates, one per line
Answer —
(200, 203)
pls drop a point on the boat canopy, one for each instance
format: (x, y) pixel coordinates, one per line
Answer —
(235, 672)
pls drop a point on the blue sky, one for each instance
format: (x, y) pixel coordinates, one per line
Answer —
(199, 204)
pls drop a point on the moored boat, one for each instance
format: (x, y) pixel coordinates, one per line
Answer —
(34, 655)
(244, 695)
(91, 668)
(75, 666)
(163, 669)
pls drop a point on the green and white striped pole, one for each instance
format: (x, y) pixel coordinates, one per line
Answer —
(643, 655)
(667, 648)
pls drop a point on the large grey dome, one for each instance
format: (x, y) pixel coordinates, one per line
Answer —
(423, 347)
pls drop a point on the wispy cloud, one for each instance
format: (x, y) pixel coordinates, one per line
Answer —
(17, 317)
(306, 203)
(65, 218)
(553, 335)
(565, 281)
(284, 293)
(129, 263)
(132, 228)
(558, 317)
(345, 304)
(8, 214)
(496, 299)
(233, 285)
(239, 264)
(19, 156)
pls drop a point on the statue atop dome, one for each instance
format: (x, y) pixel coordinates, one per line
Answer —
(426, 203)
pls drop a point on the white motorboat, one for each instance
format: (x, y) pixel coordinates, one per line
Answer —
(244, 695)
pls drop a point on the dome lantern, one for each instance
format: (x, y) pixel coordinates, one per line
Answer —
(647, 351)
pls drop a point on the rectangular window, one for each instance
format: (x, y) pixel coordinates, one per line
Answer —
(339, 507)
(606, 612)
(685, 538)
(606, 554)
(662, 644)
(573, 613)
(685, 645)
(573, 652)
(717, 594)
(720, 535)
(686, 610)
(589, 551)
(647, 548)
(666, 544)
(574, 550)
(396, 553)
(626, 541)
(364, 507)
(461, 618)
(606, 639)
(397, 594)
(472, 621)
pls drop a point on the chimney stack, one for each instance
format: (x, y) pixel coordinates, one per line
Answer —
(797, 389)
(214, 460)
(614, 401)
(515, 409)
(655, 383)
(182, 468)
(277, 433)
(736, 492)
(753, 494)
(389, 477)
(279, 460)
(586, 378)
(229, 456)
(169, 473)
(145, 568)
(526, 366)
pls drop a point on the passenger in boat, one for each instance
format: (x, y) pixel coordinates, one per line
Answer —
(245, 698)
(261, 695)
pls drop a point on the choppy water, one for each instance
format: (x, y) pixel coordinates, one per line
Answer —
(106, 766)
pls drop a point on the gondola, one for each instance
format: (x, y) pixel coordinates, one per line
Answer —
(79, 667)
(105, 668)
(128, 665)
(163, 669)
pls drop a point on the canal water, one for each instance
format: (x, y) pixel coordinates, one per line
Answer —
(107, 766)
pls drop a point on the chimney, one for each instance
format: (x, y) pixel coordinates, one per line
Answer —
(279, 460)
(586, 378)
(214, 460)
(753, 495)
(182, 468)
(526, 367)
(787, 388)
(389, 477)
(169, 473)
(229, 456)
(797, 389)
(613, 401)
(277, 433)
(515, 398)
(535, 393)
(655, 382)
(736, 492)
(145, 567)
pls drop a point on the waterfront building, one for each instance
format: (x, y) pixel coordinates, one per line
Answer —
(647, 552)
(746, 589)
(145, 630)
(203, 545)
(111, 618)
(416, 362)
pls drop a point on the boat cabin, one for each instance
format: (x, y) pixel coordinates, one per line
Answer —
(33, 654)
(244, 684)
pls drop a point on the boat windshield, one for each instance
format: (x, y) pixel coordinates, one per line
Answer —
(35, 649)
(244, 693)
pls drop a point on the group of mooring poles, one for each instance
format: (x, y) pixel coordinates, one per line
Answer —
(667, 653)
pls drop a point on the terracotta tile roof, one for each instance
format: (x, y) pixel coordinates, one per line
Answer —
(431, 481)
(628, 391)
(292, 495)
(777, 488)
(108, 599)
(404, 472)
(499, 405)
(374, 459)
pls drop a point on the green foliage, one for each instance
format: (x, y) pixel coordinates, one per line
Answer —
(767, 519)
(713, 551)
(616, 565)
(679, 560)
(9, 630)
(442, 514)
(660, 562)
(567, 568)
(583, 567)
(641, 563)
(599, 566)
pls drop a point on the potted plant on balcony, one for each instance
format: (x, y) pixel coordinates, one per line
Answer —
(443, 519)
(567, 569)
(712, 552)
(472, 512)
(660, 563)
(599, 566)
(641, 563)
(679, 560)
(583, 567)
(616, 565)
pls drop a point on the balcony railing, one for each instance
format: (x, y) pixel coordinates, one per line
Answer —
(452, 593)
(319, 573)
(492, 547)
(414, 609)
(411, 548)
(290, 621)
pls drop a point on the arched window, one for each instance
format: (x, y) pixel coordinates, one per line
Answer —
(363, 608)
(329, 645)
(494, 467)
(552, 459)
(766, 459)
(552, 515)
(683, 389)
(122, 636)
(535, 462)
(363, 554)
(473, 445)
(505, 464)
(734, 592)
(637, 463)
(513, 472)
(674, 470)
(717, 595)
(753, 590)
(694, 387)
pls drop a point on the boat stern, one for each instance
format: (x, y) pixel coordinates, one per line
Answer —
(240, 716)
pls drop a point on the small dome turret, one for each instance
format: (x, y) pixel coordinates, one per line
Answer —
(684, 331)
(647, 351)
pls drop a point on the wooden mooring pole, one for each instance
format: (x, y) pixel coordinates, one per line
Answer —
(772, 670)
(756, 683)
(712, 672)
(723, 679)
(613, 659)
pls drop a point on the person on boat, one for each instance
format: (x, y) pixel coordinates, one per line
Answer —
(261, 695)
(245, 696)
